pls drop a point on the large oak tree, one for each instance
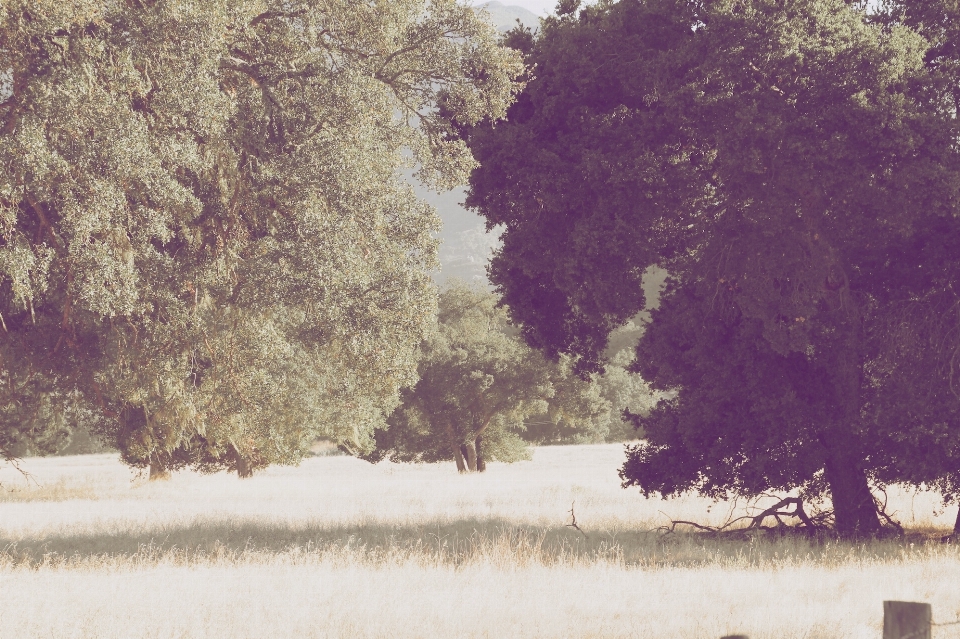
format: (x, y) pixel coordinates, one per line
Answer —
(793, 166)
(206, 241)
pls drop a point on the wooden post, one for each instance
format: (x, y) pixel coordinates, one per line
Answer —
(906, 620)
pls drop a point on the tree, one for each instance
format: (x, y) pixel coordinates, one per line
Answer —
(478, 385)
(626, 394)
(793, 167)
(629, 394)
(207, 242)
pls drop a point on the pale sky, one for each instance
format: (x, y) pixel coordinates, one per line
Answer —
(539, 7)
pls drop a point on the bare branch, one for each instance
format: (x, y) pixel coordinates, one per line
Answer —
(573, 522)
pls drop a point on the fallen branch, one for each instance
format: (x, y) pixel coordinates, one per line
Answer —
(573, 523)
(713, 529)
(817, 521)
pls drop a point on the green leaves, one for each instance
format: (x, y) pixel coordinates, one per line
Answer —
(206, 234)
(479, 384)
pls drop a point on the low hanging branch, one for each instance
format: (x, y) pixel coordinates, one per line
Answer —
(775, 512)
(882, 511)
(818, 521)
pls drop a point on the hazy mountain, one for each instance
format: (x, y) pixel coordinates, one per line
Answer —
(465, 246)
(505, 17)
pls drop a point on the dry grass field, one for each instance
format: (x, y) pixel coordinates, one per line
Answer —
(340, 548)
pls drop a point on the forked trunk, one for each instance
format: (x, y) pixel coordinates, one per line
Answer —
(456, 448)
(482, 465)
(470, 452)
(158, 472)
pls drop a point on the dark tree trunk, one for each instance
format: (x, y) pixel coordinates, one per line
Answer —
(956, 525)
(457, 449)
(854, 510)
(458, 457)
(470, 452)
(243, 468)
(482, 464)
(158, 472)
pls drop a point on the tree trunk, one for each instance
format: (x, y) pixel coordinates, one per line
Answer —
(243, 468)
(956, 526)
(482, 464)
(854, 510)
(458, 457)
(470, 452)
(455, 447)
(158, 472)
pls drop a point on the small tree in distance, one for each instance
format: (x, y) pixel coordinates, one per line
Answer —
(478, 385)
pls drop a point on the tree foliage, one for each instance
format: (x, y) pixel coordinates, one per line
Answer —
(207, 243)
(793, 166)
(479, 384)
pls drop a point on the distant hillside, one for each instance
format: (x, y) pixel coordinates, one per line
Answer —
(505, 18)
(465, 245)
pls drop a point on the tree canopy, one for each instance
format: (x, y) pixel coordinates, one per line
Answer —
(794, 167)
(479, 385)
(206, 242)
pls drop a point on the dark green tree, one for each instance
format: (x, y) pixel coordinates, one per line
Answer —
(206, 240)
(479, 385)
(793, 166)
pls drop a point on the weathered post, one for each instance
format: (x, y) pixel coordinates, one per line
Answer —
(906, 620)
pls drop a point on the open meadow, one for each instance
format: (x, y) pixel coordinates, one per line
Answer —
(340, 548)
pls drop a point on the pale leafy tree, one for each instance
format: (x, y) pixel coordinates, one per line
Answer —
(479, 383)
(628, 394)
(207, 244)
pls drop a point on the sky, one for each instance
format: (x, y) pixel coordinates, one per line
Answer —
(539, 7)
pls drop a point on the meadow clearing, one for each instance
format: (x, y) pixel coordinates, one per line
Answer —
(340, 548)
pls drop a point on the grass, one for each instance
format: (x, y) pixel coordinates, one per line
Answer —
(341, 548)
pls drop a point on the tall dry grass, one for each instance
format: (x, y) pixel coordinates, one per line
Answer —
(340, 548)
